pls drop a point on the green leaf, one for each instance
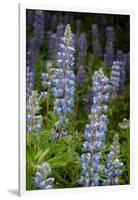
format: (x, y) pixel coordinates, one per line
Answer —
(42, 156)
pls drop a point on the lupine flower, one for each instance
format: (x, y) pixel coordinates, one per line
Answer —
(64, 83)
(52, 45)
(60, 33)
(81, 76)
(33, 50)
(114, 167)
(95, 132)
(46, 77)
(41, 180)
(54, 41)
(109, 48)
(30, 63)
(120, 56)
(97, 49)
(81, 49)
(39, 25)
(33, 118)
(117, 76)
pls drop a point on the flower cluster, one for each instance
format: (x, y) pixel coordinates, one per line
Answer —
(33, 49)
(39, 25)
(30, 62)
(115, 76)
(51, 44)
(95, 132)
(81, 76)
(114, 167)
(121, 57)
(109, 48)
(46, 77)
(64, 83)
(41, 180)
(97, 49)
(59, 33)
(54, 40)
(81, 49)
(33, 119)
(118, 76)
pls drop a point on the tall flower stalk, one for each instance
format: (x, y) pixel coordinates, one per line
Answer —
(109, 48)
(64, 83)
(118, 76)
(115, 77)
(95, 132)
(81, 76)
(114, 167)
(34, 48)
(97, 49)
(82, 47)
(47, 85)
(33, 119)
(121, 57)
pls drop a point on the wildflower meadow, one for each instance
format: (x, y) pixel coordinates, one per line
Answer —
(77, 99)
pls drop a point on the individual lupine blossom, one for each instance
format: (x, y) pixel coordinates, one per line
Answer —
(82, 47)
(81, 77)
(46, 78)
(109, 48)
(95, 132)
(33, 49)
(33, 119)
(42, 179)
(64, 83)
(114, 167)
(97, 49)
